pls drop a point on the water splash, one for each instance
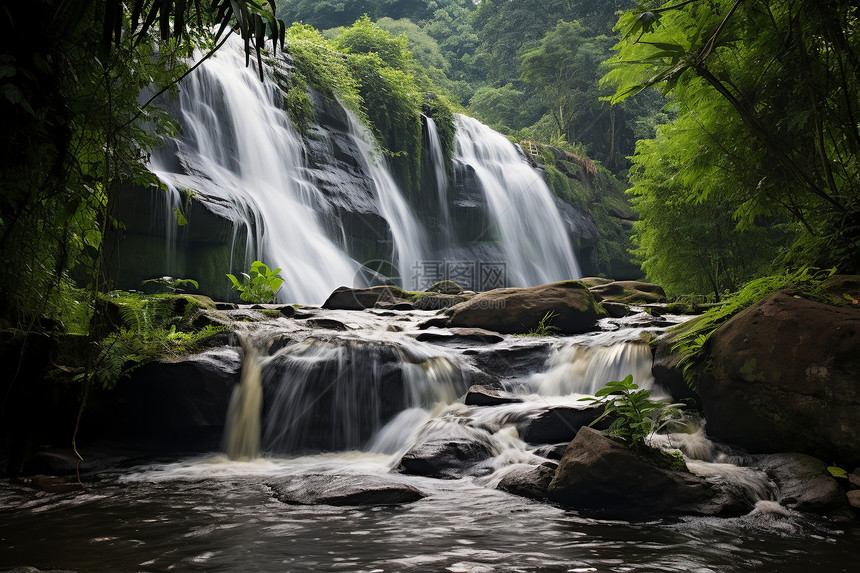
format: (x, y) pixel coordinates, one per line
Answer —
(532, 237)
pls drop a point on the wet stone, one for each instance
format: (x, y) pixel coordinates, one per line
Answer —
(347, 490)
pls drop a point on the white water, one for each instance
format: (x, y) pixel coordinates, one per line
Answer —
(337, 394)
(441, 176)
(410, 241)
(240, 147)
(530, 232)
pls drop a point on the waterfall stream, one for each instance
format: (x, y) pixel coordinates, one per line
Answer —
(535, 244)
(240, 149)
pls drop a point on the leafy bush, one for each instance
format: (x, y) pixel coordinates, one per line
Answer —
(636, 416)
(258, 285)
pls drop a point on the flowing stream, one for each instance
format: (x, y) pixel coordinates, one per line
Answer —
(343, 405)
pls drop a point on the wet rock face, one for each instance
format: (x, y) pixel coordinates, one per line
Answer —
(448, 449)
(520, 310)
(784, 377)
(528, 481)
(803, 482)
(556, 424)
(347, 490)
(172, 406)
(599, 474)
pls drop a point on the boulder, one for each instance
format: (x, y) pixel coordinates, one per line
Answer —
(173, 406)
(854, 498)
(554, 424)
(514, 361)
(346, 298)
(326, 324)
(784, 377)
(438, 301)
(447, 448)
(287, 310)
(520, 310)
(629, 292)
(551, 451)
(445, 287)
(595, 281)
(327, 489)
(804, 482)
(599, 474)
(484, 396)
(616, 309)
(471, 334)
(528, 481)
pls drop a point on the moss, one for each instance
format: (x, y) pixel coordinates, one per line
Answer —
(271, 313)
(299, 107)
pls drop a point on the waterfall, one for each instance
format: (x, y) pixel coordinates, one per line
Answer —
(242, 429)
(532, 237)
(410, 241)
(441, 175)
(579, 369)
(240, 148)
(325, 394)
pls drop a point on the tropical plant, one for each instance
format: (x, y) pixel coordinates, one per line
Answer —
(636, 417)
(259, 285)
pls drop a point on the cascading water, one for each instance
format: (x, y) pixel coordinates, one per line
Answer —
(410, 242)
(337, 393)
(240, 148)
(532, 237)
(441, 176)
(242, 429)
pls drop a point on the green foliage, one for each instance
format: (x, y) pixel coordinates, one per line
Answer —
(299, 107)
(320, 65)
(635, 417)
(689, 338)
(259, 285)
(764, 128)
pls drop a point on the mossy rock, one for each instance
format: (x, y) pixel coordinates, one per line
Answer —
(445, 287)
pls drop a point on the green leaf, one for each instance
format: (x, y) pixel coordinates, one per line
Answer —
(837, 472)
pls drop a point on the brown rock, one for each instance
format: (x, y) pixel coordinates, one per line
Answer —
(629, 292)
(784, 377)
(599, 474)
(520, 310)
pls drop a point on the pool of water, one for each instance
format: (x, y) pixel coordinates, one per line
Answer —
(210, 514)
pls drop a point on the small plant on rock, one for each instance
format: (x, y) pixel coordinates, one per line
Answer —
(259, 285)
(636, 416)
(544, 328)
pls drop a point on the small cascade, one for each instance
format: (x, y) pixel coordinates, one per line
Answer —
(242, 430)
(529, 229)
(438, 160)
(581, 369)
(240, 149)
(336, 394)
(410, 241)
